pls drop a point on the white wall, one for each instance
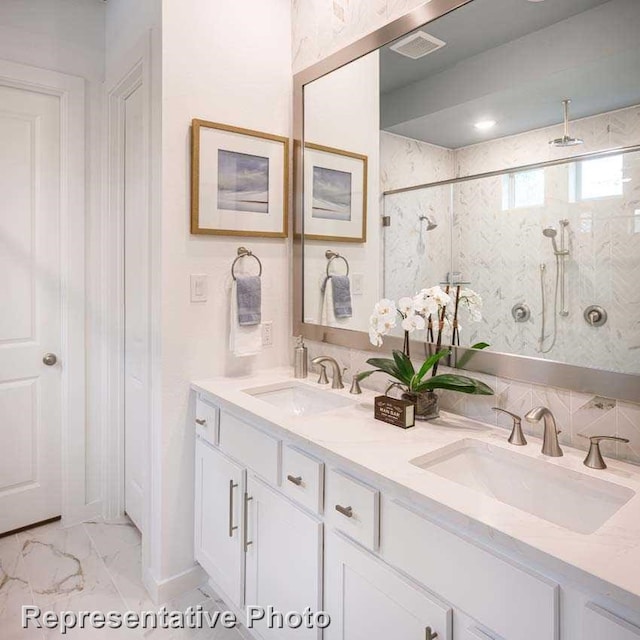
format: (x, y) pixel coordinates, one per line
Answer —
(68, 36)
(228, 62)
(342, 112)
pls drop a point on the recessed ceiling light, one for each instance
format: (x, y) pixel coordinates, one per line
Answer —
(483, 125)
(536, 0)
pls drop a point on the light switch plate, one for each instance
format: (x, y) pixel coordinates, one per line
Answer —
(357, 284)
(198, 287)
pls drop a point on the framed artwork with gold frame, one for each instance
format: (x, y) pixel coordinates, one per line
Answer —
(239, 181)
(335, 194)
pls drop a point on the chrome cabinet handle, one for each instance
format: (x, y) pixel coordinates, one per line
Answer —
(345, 511)
(50, 359)
(247, 542)
(430, 635)
(232, 527)
(297, 480)
(201, 421)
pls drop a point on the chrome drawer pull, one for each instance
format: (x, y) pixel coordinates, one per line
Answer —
(232, 528)
(345, 511)
(297, 480)
(429, 635)
(247, 542)
(201, 421)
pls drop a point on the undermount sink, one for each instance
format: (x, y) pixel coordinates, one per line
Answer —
(299, 399)
(567, 498)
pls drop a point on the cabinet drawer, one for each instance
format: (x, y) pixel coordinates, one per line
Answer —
(516, 603)
(353, 507)
(302, 478)
(600, 623)
(207, 420)
(250, 446)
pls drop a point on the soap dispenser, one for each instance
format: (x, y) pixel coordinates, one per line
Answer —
(300, 359)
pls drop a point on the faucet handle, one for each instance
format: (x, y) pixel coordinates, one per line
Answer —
(355, 385)
(517, 437)
(594, 459)
(323, 375)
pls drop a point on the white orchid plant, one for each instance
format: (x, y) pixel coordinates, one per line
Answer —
(415, 312)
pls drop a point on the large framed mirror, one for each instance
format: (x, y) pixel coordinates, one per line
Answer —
(489, 149)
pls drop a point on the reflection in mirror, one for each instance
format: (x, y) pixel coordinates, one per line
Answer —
(454, 158)
(342, 195)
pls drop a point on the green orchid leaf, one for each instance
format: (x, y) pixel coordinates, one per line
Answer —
(427, 365)
(404, 364)
(388, 366)
(480, 345)
(453, 382)
(365, 374)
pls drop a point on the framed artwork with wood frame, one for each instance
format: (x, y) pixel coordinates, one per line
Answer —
(335, 194)
(239, 181)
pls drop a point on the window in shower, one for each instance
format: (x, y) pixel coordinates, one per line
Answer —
(599, 178)
(523, 189)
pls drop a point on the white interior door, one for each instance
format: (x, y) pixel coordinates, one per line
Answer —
(30, 304)
(136, 315)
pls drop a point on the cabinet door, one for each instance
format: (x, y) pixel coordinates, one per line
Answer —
(600, 623)
(367, 600)
(218, 511)
(283, 559)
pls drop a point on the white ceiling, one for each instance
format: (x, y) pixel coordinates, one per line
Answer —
(513, 61)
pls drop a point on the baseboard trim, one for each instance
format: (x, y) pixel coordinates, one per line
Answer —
(162, 591)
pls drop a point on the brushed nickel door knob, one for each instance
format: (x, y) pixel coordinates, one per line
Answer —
(50, 359)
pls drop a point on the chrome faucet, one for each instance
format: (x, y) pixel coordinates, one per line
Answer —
(550, 444)
(336, 382)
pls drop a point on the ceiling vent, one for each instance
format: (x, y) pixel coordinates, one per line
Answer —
(417, 45)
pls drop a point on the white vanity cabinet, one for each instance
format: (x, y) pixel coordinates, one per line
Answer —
(219, 491)
(281, 525)
(257, 546)
(368, 600)
(283, 558)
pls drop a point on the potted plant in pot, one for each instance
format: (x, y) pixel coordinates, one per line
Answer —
(420, 389)
(423, 311)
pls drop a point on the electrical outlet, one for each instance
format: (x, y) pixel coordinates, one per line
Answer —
(267, 334)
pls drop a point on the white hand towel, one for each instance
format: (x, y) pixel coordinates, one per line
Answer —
(243, 341)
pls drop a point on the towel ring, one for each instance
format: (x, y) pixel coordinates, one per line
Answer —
(244, 253)
(331, 256)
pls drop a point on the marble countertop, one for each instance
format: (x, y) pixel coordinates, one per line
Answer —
(607, 559)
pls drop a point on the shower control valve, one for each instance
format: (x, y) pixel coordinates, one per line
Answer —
(521, 312)
(595, 315)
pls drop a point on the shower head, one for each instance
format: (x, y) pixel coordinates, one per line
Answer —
(551, 232)
(431, 223)
(566, 140)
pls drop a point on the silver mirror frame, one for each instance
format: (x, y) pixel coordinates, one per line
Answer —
(610, 384)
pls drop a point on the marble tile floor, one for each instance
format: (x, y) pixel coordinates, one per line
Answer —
(90, 566)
